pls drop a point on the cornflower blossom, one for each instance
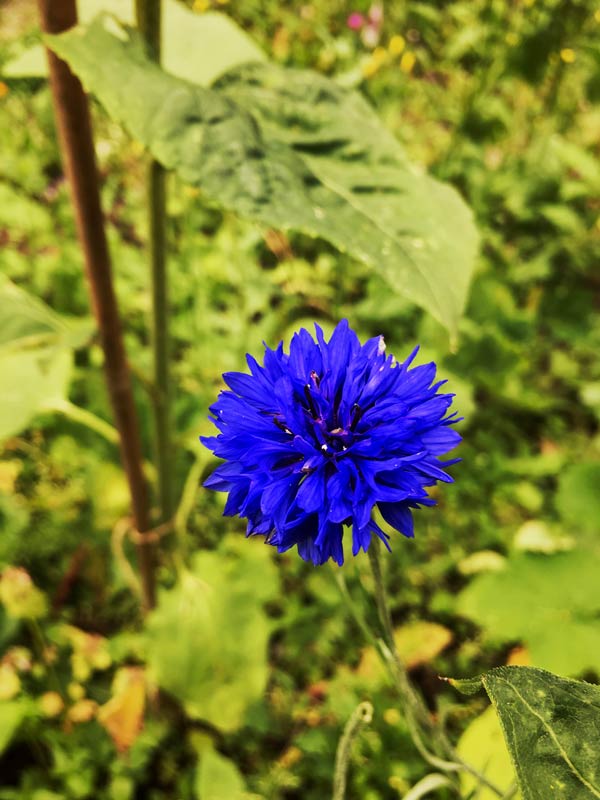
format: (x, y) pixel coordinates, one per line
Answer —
(315, 439)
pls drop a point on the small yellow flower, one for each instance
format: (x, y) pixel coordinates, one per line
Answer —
(397, 45)
(568, 55)
(201, 5)
(379, 55)
(392, 716)
(407, 62)
(82, 711)
(51, 704)
(75, 691)
(597, 15)
(370, 68)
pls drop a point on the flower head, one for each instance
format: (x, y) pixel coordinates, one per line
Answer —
(355, 21)
(314, 440)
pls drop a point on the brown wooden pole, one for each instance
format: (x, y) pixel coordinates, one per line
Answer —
(76, 142)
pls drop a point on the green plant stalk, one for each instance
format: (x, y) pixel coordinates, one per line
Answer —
(414, 702)
(148, 15)
(40, 648)
(361, 716)
(417, 716)
(430, 783)
(160, 337)
(87, 418)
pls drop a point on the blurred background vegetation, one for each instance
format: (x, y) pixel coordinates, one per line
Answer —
(260, 673)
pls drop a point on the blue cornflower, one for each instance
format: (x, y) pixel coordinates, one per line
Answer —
(313, 440)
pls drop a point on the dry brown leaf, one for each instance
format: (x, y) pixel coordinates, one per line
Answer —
(122, 716)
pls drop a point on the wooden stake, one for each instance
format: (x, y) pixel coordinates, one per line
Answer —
(75, 134)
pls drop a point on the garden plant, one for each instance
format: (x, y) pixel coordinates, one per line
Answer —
(300, 400)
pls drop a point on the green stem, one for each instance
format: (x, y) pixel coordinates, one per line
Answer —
(361, 716)
(40, 648)
(148, 14)
(430, 783)
(418, 718)
(160, 337)
(414, 702)
(91, 421)
(186, 505)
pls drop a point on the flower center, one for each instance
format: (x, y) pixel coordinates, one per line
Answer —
(336, 441)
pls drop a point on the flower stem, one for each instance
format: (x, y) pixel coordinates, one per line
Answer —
(417, 716)
(430, 783)
(361, 716)
(414, 702)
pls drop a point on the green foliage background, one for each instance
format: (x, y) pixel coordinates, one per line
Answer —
(501, 101)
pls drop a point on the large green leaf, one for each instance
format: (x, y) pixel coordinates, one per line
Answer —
(482, 745)
(578, 497)
(197, 47)
(218, 778)
(207, 640)
(12, 714)
(551, 603)
(290, 149)
(552, 728)
(35, 358)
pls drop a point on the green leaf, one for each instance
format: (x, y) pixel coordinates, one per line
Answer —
(292, 150)
(522, 603)
(482, 745)
(552, 728)
(578, 498)
(216, 665)
(465, 685)
(21, 214)
(12, 714)
(35, 358)
(218, 778)
(196, 47)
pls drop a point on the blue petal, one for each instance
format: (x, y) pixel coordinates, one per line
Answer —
(399, 517)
